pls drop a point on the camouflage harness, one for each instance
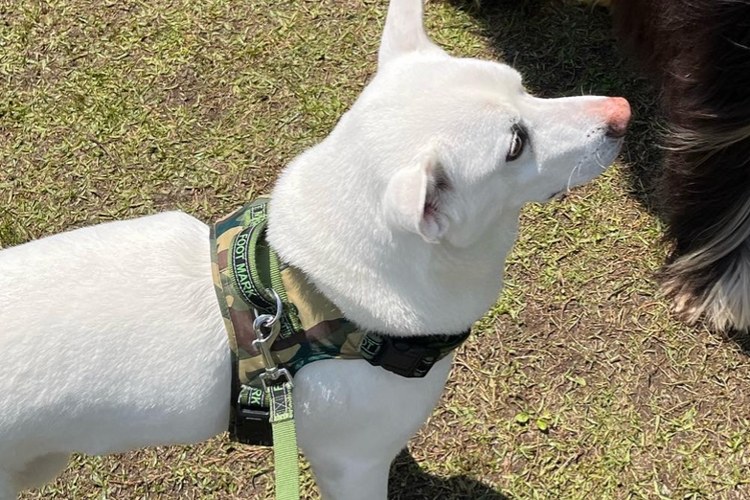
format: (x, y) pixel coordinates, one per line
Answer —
(278, 322)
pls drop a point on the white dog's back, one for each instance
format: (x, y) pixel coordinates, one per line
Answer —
(127, 312)
(131, 294)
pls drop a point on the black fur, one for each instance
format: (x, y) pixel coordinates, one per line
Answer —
(698, 54)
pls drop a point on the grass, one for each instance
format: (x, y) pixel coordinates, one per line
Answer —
(577, 384)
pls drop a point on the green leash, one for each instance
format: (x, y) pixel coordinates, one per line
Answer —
(285, 454)
(286, 458)
(281, 417)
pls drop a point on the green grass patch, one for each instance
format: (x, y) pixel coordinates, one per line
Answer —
(577, 385)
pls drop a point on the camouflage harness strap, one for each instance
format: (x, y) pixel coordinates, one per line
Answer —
(248, 275)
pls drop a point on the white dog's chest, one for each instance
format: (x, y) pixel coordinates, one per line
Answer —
(252, 285)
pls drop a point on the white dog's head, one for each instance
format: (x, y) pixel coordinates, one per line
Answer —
(466, 142)
(403, 216)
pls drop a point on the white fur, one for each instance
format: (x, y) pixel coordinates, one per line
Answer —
(726, 301)
(111, 336)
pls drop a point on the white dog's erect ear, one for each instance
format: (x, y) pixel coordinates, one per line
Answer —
(404, 31)
(414, 200)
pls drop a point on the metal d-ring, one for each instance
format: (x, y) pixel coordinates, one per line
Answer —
(267, 320)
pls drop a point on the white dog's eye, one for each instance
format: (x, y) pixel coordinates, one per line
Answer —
(517, 143)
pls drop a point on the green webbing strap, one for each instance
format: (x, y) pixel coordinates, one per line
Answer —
(286, 458)
(265, 273)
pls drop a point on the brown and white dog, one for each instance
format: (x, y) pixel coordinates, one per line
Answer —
(697, 52)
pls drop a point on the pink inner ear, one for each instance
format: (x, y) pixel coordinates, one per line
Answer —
(433, 224)
(430, 210)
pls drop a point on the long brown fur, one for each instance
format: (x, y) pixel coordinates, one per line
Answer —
(698, 54)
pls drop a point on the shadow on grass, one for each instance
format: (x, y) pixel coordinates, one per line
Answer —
(739, 338)
(566, 50)
(409, 482)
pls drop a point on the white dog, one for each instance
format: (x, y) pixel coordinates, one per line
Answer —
(111, 338)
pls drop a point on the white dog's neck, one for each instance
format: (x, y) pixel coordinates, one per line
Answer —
(383, 280)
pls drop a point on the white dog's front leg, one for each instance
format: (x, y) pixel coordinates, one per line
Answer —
(354, 418)
(7, 490)
(357, 481)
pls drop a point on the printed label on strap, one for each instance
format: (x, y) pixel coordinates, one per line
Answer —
(370, 346)
(241, 269)
(281, 402)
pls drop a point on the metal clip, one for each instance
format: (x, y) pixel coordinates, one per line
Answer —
(267, 331)
(274, 375)
(267, 328)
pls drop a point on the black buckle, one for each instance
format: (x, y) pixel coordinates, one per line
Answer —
(405, 359)
(252, 426)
